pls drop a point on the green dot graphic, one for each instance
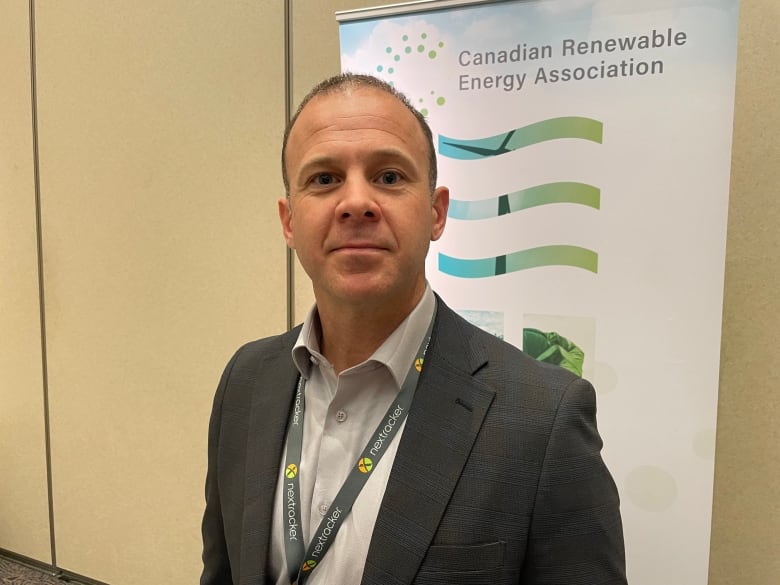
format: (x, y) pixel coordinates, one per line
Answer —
(408, 50)
(390, 70)
(379, 68)
(440, 101)
(397, 58)
(424, 111)
(389, 50)
(441, 44)
(424, 35)
(405, 38)
(432, 55)
(420, 48)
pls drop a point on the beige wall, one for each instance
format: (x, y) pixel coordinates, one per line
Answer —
(159, 125)
(746, 512)
(23, 492)
(159, 132)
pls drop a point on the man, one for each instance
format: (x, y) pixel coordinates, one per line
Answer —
(388, 441)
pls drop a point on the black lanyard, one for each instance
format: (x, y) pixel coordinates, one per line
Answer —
(301, 561)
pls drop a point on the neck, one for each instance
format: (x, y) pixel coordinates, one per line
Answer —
(351, 335)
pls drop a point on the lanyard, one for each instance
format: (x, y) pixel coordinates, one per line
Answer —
(301, 561)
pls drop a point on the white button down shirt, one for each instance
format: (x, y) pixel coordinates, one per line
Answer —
(342, 412)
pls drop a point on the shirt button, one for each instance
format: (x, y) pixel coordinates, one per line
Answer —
(341, 416)
(323, 509)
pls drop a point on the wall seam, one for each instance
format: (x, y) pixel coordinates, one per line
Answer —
(41, 288)
(288, 111)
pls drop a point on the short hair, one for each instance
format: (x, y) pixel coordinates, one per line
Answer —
(345, 81)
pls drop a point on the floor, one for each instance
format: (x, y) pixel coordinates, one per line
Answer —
(12, 573)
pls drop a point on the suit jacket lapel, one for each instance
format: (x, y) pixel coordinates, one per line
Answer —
(446, 415)
(273, 392)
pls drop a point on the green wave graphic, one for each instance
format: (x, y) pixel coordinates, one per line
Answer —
(551, 129)
(559, 255)
(561, 192)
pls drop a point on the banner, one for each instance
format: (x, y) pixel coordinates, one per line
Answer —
(587, 147)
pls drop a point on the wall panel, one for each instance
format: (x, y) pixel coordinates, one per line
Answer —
(746, 519)
(24, 510)
(159, 132)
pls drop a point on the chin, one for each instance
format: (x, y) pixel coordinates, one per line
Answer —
(364, 290)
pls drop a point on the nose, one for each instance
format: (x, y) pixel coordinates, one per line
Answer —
(358, 201)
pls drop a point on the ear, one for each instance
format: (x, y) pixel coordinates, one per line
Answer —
(285, 217)
(441, 203)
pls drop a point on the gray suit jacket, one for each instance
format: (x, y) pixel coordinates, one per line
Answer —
(498, 477)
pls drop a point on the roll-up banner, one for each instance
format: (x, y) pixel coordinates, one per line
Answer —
(587, 147)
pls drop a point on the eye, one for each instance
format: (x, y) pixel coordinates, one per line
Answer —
(389, 177)
(324, 179)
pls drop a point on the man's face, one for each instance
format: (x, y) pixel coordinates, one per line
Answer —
(360, 215)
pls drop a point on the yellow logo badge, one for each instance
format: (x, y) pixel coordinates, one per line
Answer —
(418, 364)
(291, 471)
(309, 565)
(365, 465)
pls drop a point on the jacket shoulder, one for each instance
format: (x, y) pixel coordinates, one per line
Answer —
(248, 354)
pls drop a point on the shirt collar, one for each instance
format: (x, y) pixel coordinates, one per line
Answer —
(396, 352)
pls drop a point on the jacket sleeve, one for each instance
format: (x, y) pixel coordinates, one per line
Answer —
(576, 534)
(216, 563)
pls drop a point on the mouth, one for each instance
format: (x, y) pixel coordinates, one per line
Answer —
(358, 251)
(359, 247)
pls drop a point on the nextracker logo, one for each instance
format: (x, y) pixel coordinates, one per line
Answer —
(292, 522)
(386, 430)
(297, 407)
(322, 539)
